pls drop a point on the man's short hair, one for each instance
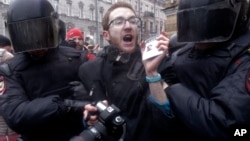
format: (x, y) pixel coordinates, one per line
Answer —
(105, 19)
(4, 41)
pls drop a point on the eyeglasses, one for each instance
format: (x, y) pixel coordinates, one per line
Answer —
(118, 22)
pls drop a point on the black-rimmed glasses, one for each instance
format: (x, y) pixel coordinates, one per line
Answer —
(119, 22)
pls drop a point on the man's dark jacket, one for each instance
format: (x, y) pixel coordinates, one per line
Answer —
(34, 90)
(212, 94)
(122, 82)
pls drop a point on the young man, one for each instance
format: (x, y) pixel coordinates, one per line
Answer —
(118, 75)
(37, 101)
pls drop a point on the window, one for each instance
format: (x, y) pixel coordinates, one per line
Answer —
(136, 6)
(141, 6)
(161, 26)
(144, 26)
(92, 12)
(81, 7)
(69, 7)
(156, 27)
(156, 12)
(146, 7)
(56, 5)
(7, 1)
(151, 26)
(101, 10)
(108, 1)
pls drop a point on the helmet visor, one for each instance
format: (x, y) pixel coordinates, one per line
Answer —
(33, 34)
(212, 23)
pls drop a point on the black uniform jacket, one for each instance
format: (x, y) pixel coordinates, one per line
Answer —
(212, 97)
(123, 84)
(32, 102)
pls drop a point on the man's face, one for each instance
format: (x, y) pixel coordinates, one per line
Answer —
(123, 30)
(79, 42)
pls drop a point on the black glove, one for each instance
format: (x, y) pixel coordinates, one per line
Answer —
(75, 105)
(79, 91)
(170, 76)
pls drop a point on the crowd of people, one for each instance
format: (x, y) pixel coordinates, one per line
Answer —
(62, 89)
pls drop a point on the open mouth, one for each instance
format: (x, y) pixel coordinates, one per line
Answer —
(127, 38)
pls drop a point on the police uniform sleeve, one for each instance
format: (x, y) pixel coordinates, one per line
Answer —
(221, 114)
(18, 109)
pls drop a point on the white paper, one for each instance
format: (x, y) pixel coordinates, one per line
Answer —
(151, 49)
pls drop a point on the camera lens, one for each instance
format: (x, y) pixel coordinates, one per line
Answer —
(119, 119)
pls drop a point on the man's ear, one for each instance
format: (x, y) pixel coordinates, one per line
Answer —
(105, 35)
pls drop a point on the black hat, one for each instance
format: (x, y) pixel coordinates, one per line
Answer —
(4, 41)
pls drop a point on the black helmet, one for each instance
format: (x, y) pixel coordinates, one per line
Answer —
(204, 21)
(32, 25)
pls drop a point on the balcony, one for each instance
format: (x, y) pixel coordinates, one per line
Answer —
(148, 14)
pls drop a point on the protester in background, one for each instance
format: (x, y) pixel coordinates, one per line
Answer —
(37, 99)
(75, 38)
(118, 75)
(212, 95)
(6, 43)
(91, 46)
(6, 134)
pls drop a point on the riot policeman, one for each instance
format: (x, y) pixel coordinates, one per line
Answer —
(211, 97)
(37, 100)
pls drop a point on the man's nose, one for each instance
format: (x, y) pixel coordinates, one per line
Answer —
(77, 39)
(127, 24)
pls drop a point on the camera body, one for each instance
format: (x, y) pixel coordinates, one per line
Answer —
(110, 124)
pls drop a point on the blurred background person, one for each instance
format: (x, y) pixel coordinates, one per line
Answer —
(6, 43)
(90, 45)
(6, 133)
(75, 38)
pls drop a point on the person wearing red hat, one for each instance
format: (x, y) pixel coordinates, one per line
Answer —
(75, 35)
(75, 38)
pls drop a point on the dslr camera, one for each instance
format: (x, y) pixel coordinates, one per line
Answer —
(110, 124)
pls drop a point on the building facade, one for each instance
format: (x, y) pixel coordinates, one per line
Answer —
(170, 10)
(151, 14)
(87, 15)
